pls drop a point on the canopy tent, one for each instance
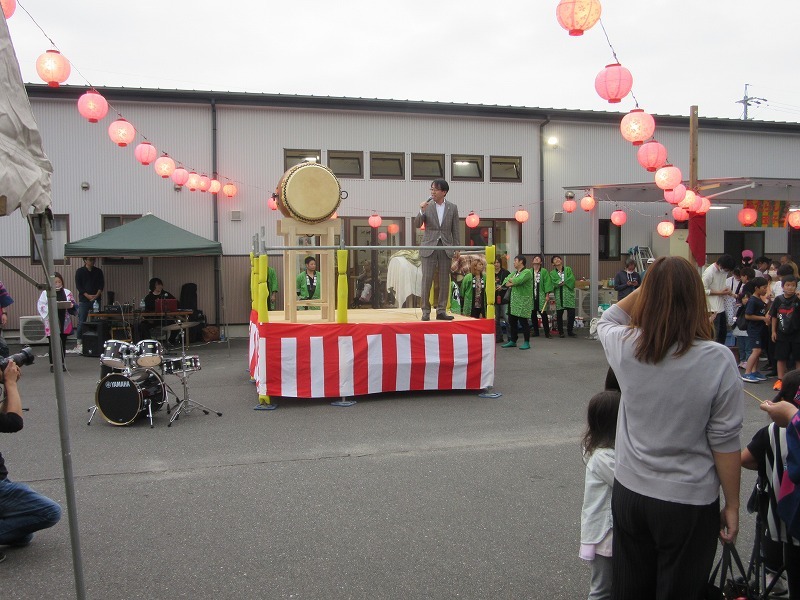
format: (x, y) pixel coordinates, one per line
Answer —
(25, 184)
(148, 236)
(728, 190)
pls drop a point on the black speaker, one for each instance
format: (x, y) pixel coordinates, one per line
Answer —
(93, 338)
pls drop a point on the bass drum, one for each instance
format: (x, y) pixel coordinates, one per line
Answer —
(121, 398)
(309, 193)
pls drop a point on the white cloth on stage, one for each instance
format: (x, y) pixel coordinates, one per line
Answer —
(405, 278)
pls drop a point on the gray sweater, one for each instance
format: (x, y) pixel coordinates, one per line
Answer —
(672, 415)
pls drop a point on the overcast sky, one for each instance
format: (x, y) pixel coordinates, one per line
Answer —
(680, 52)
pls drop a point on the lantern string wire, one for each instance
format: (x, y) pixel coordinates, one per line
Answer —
(614, 54)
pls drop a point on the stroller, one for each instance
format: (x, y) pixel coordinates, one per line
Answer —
(757, 571)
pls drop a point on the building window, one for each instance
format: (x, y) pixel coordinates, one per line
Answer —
(505, 168)
(346, 164)
(466, 168)
(110, 222)
(427, 166)
(60, 230)
(387, 165)
(610, 240)
(295, 157)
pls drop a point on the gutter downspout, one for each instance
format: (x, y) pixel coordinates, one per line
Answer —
(215, 214)
(541, 184)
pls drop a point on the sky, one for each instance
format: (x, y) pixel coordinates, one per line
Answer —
(680, 52)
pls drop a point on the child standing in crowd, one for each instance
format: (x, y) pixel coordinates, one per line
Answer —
(785, 330)
(757, 318)
(596, 519)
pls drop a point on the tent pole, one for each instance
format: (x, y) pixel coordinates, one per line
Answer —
(63, 425)
(594, 259)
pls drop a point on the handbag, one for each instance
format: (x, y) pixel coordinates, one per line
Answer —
(507, 296)
(741, 320)
(730, 586)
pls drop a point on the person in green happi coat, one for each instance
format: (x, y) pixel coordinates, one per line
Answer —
(563, 282)
(519, 311)
(272, 287)
(308, 283)
(542, 286)
(473, 291)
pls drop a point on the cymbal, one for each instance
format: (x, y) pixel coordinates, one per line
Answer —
(179, 326)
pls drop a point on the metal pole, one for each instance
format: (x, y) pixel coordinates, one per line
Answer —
(594, 259)
(63, 426)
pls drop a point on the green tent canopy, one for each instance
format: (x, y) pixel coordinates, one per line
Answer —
(148, 236)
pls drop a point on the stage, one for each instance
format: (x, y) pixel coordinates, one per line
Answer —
(378, 350)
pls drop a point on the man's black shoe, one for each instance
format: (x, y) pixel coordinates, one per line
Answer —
(426, 317)
(444, 317)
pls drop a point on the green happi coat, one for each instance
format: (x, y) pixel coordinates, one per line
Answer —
(302, 287)
(272, 286)
(468, 294)
(521, 293)
(565, 294)
(545, 286)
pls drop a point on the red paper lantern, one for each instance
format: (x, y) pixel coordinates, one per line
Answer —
(587, 203)
(121, 132)
(145, 153)
(193, 181)
(652, 156)
(204, 183)
(613, 83)
(667, 177)
(422, 227)
(665, 229)
(393, 228)
(180, 176)
(794, 219)
(577, 16)
(705, 205)
(618, 218)
(638, 126)
(9, 6)
(675, 195)
(747, 216)
(92, 106)
(272, 202)
(472, 220)
(569, 206)
(214, 187)
(688, 200)
(382, 236)
(375, 220)
(164, 166)
(229, 190)
(521, 215)
(679, 214)
(53, 68)
(334, 216)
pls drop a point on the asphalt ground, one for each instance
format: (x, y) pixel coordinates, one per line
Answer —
(412, 495)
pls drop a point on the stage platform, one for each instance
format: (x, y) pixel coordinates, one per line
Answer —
(378, 350)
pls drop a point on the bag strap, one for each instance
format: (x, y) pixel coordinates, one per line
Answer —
(727, 567)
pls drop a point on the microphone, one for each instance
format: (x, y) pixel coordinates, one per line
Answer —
(429, 199)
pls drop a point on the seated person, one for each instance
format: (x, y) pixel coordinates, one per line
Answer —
(157, 292)
(308, 283)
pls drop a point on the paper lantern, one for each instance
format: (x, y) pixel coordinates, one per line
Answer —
(665, 229)
(652, 156)
(472, 220)
(794, 219)
(618, 218)
(679, 214)
(164, 166)
(272, 202)
(747, 216)
(393, 229)
(375, 220)
(705, 205)
(92, 106)
(637, 126)
(214, 187)
(382, 236)
(145, 153)
(229, 190)
(334, 216)
(204, 183)
(613, 83)
(688, 200)
(674, 196)
(577, 16)
(667, 177)
(193, 181)
(53, 68)
(121, 132)
(587, 203)
(180, 176)
(569, 206)
(9, 6)
(521, 215)
(422, 227)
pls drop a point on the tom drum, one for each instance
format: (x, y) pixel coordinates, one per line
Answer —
(149, 353)
(117, 354)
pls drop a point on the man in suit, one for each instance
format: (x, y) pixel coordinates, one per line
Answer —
(441, 229)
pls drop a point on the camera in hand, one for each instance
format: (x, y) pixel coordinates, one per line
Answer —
(22, 358)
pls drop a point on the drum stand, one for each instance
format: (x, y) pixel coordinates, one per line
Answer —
(186, 405)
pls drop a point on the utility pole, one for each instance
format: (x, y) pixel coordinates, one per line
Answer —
(748, 100)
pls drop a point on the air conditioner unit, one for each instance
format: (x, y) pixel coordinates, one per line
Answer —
(31, 331)
(583, 304)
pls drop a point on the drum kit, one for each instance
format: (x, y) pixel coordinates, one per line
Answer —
(133, 382)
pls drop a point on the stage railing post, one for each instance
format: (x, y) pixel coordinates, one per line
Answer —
(341, 289)
(490, 254)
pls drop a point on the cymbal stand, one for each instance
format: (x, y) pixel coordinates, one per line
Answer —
(187, 404)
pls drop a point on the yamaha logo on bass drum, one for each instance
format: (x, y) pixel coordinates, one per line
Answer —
(118, 384)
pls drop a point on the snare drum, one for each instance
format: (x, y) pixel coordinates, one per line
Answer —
(309, 193)
(121, 398)
(175, 366)
(117, 354)
(149, 353)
